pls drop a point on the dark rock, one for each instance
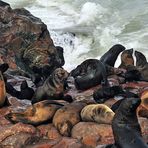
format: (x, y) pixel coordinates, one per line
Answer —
(26, 43)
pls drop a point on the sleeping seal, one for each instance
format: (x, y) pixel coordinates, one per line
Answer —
(126, 129)
(99, 113)
(111, 55)
(36, 114)
(89, 73)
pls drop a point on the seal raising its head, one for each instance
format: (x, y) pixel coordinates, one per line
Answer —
(111, 55)
(127, 58)
(53, 86)
(142, 65)
(126, 129)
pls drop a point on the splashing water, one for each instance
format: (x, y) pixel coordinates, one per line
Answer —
(88, 28)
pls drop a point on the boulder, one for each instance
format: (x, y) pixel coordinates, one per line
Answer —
(48, 130)
(93, 134)
(10, 130)
(26, 42)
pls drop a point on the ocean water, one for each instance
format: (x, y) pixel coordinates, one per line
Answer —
(88, 28)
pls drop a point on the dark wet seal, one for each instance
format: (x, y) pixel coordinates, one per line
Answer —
(25, 92)
(126, 129)
(111, 55)
(89, 73)
(103, 94)
(132, 74)
(142, 65)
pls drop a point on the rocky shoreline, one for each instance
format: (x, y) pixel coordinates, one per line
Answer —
(26, 45)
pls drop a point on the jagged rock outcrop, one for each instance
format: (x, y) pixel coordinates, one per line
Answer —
(25, 42)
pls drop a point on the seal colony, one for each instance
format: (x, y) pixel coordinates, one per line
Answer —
(52, 97)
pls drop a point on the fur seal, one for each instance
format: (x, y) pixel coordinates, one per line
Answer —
(89, 73)
(142, 65)
(99, 113)
(67, 116)
(111, 55)
(25, 92)
(127, 58)
(144, 98)
(126, 129)
(36, 114)
(53, 87)
(2, 90)
(103, 94)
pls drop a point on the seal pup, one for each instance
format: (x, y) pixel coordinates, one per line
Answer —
(126, 129)
(89, 73)
(142, 65)
(111, 55)
(25, 92)
(53, 87)
(99, 113)
(127, 58)
(36, 114)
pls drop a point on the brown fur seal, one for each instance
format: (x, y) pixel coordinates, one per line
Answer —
(126, 58)
(144, 98)
(142, 65)
(111, 55)
(2, 90)
(53, 87)
(36, 114)
(99, 113)
(67, 116)
(126, 129)
(89, 73)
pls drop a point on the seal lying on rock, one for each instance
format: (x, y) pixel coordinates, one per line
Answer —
(53, 87)
(127, 58)
(99, 113)
(142, 65)
(111, 55)
(126, 129)
(89, 73)
(102, 94)
(67, 116)
(36, 114)
(25, 92)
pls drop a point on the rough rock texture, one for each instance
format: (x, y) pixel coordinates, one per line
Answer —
(26, 43)
(10, 130)
(93, 134)
(19, 140)
(49, 131)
